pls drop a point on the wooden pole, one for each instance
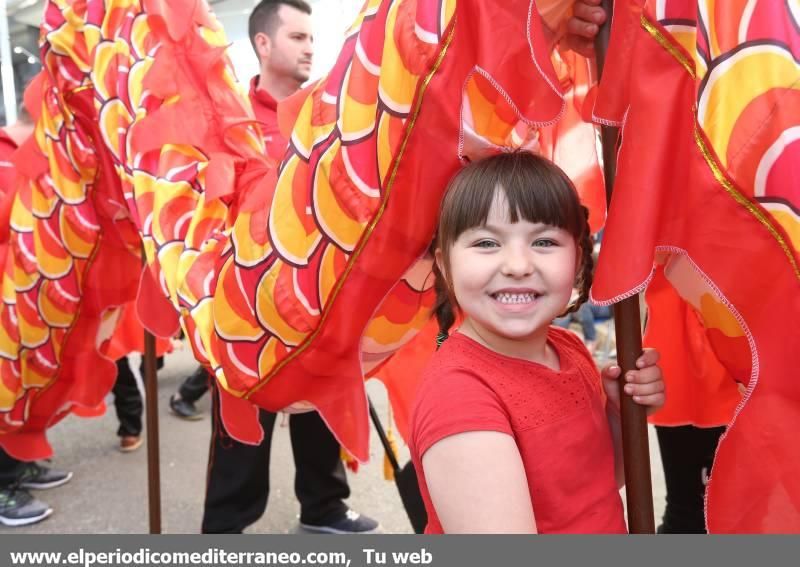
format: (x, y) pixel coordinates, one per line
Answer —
(627, 323)
(153, 461)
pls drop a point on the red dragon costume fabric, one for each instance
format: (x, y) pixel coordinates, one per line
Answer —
(294, 280)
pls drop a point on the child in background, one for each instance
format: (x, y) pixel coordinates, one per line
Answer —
(511, 431)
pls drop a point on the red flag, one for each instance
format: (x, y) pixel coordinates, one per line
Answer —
(708, 98)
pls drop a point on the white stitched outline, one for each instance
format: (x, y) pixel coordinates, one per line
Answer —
(538, 68)
(754, 358)
(505, 95)
(485, 74)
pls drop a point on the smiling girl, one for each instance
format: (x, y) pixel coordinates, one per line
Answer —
(511, 429)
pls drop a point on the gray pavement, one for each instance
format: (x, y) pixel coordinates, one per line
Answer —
(108, 493)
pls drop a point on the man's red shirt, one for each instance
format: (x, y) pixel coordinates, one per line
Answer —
(266, 110)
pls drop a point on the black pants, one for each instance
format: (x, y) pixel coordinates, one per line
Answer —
(687, 453)
(127, 400)
(127, 397)
(238, 475)
(194, 386)
(9, 469)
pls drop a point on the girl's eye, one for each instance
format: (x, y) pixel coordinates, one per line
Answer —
(485, 244)
(544, 243)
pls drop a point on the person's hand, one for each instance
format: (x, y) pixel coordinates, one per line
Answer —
(582, 27)
(645, 385)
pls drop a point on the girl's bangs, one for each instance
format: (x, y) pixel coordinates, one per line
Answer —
(533, 188)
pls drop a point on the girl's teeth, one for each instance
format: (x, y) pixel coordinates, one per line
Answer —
(514, 297)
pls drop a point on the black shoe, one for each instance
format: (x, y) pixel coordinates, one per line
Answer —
(350, 523)
(39, 477)
(184, 409)
(19, 508)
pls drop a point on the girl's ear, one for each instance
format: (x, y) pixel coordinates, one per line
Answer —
(438, 257)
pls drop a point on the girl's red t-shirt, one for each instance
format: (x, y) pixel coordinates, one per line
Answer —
(557, 419)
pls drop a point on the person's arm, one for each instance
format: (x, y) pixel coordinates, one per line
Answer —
(477, 484)
(645, 385)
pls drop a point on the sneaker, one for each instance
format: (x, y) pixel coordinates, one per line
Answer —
(39, 477)
(184, 409)
(19, 508)
(351, 523)
(129, 443)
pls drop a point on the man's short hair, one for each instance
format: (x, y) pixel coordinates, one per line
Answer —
(264, 17)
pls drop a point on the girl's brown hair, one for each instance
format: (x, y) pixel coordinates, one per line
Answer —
(535, 189)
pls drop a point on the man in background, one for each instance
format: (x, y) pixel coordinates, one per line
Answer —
(238, 474)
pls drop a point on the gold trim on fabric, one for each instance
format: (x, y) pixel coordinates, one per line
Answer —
(711, 158)
(664, 42)
(371, 226)
(737, 196)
